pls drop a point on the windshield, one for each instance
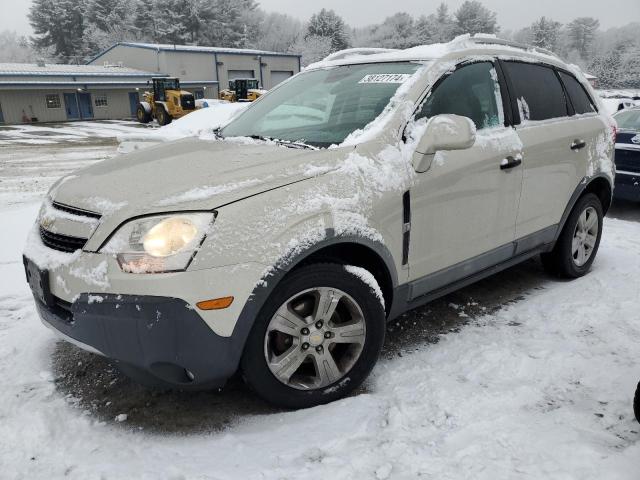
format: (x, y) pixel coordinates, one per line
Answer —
(322, 107)
(628, 120)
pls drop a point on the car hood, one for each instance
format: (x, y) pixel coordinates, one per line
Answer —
(190, 174)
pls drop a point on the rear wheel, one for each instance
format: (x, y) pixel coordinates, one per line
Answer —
(142, 115)
(579, 240)
(316, 339)
(163, 116)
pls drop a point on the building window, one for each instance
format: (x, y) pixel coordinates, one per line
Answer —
(53, 100)
(101, 101)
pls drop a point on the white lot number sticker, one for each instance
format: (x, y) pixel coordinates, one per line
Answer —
(385, 78)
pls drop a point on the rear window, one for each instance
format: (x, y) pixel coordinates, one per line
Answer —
(538, 91)
(579, 97)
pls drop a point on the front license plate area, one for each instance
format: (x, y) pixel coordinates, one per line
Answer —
(39, 282)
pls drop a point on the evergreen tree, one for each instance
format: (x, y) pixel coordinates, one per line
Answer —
(545, 33)
(582, 33)
(59, 25)
(472, 17)
(436, 28)
(397, 31)
(327, 23)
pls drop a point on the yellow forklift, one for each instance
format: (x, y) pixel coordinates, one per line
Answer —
(166, 102)
(242, 90)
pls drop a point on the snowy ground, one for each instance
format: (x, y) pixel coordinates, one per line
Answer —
(518, 376)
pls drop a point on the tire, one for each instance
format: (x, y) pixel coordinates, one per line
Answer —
(636, 404)
(564, 261)
(142, 115)
(163, 117)
(352, 356)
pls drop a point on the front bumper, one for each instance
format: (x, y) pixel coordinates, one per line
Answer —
(627, 186)
(163, 336)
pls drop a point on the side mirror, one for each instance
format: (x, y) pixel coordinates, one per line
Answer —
(443, 132)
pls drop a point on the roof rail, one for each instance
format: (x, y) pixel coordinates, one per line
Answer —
(352, 52)
(487, 40)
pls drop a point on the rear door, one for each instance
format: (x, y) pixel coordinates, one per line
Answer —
(464, 207)
(552, 169)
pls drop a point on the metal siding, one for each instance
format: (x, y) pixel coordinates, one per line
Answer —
(189, 66)
(141, 58)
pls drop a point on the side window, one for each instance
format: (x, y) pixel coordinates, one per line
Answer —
(537, 90)
(471, 91)
(579, 98)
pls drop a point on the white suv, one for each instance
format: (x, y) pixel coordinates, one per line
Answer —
(351, 193)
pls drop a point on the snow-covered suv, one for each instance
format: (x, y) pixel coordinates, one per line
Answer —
(354, 191)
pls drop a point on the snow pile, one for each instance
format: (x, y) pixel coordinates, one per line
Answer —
(541, 389)
(197, 123)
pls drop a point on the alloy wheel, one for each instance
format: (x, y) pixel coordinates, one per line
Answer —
(585, 236)
(315, 338)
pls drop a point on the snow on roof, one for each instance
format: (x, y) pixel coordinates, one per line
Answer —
(480, 43)
(20, 69)
(197, 48)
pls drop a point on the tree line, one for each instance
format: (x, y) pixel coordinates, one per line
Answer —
(71, 31)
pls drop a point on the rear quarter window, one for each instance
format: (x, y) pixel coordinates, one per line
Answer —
(579, 98)
(537, 91)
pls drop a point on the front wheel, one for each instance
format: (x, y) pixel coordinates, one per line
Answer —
(316, 339)
(579, 240)
(163, 116)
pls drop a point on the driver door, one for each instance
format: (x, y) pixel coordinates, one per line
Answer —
(464, 207)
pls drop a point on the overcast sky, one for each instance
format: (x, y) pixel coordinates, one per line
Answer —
(511, 13)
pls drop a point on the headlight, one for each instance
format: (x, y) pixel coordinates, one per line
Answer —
(165, 243)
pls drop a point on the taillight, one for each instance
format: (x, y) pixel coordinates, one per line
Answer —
(614, 130)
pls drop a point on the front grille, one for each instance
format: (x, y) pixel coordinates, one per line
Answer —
(628, 160)
(75, 211)
(62, 243)
(188, 102)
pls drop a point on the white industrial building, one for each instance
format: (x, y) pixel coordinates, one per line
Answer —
(32, 93)
(200, 66)
(111, 84)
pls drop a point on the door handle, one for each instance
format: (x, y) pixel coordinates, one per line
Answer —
(578, 144)
(510, 162)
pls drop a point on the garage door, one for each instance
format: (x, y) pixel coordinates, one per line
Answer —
(233, 74)
(278, 76)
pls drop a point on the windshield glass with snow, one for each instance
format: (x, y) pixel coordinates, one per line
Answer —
(629, 120)
(322, 107)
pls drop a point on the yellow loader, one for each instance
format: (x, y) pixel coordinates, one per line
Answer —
(166, 102)
(242, 90)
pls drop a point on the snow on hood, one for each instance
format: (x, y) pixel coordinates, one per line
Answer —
(188, 174)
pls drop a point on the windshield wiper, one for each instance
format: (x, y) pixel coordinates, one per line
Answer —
(284, 143)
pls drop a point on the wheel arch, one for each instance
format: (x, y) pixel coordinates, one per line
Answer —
(599, 185)
(369, 255)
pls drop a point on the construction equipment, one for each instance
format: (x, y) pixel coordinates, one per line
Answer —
(166, 102)
(242, 90)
